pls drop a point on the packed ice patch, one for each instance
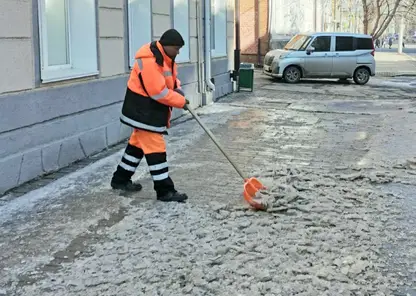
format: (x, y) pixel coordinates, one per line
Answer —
(321, 235)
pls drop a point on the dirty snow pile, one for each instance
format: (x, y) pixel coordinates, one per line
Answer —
(321, 235)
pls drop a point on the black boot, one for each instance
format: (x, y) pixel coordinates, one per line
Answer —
(173, 196)
(125, 170)
(126, 186)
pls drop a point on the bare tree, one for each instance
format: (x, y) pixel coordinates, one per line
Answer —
(367, 14)
(410, 7)
(378, 15)
(410, 15)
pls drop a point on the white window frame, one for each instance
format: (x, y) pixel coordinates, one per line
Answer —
(219, 20)
(213, 8)
(44, 38)
(185, 52)
(67, 71)
(134, 30)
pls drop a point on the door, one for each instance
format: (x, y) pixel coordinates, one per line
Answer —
(345, 57)
(318, 63)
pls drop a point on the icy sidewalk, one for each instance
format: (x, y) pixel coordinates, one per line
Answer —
(56, 223)
(77, 237)
(328, 249)
(394, 64)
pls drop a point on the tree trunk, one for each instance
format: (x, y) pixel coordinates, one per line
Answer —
(378, 16)
(366, 18)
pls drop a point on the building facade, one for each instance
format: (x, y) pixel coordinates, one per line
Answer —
(343, 16)
(269, 24)
(288, 18)
(254, 30)
(65, 64)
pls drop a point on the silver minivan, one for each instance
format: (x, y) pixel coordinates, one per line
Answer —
(323, 55)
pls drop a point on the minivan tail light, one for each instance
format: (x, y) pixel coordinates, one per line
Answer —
(373, 52)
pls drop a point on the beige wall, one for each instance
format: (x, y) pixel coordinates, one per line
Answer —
(193, 43)
(111, 41)
(16, 50)
(162, 21)
(161, 17)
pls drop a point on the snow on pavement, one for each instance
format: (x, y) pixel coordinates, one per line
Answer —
(323, 237)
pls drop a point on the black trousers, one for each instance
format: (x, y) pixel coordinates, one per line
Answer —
(158, 167)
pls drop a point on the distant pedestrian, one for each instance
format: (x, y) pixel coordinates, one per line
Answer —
(390, 42)
(378, 42)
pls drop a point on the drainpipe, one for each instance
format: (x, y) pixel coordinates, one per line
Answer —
(270, 15)
(208, 45)
(257, 28)
(237, 49)
(199, 45)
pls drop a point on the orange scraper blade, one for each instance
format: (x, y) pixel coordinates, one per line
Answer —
(251, 187)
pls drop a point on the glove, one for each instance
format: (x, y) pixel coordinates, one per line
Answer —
(186, 103)
(179, 91)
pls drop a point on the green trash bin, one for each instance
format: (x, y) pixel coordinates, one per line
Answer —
(246, 76)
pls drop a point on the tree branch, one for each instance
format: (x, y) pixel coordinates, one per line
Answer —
(384, 21)
(389, 18)
(411, 8)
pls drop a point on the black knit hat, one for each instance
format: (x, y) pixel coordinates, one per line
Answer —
(172, 37)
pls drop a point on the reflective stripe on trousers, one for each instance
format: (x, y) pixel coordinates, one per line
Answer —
(159, 171)
(152, 146)
(129, 162)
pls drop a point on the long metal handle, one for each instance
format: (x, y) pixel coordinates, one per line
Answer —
(215, 140)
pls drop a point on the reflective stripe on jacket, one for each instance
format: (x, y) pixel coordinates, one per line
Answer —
(150, 93)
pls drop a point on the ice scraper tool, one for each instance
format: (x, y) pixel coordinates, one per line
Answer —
(251, 185)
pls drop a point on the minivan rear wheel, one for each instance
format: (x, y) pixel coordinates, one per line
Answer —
(361, 76)
(292, 74)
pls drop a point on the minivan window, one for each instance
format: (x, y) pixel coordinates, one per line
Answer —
(297, 42)
(364, 43)
(344, 43)
(305, 44)
(322, 43)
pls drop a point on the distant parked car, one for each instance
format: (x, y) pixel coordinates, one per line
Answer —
(323, 55)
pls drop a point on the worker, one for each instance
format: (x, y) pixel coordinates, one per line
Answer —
(153, 89)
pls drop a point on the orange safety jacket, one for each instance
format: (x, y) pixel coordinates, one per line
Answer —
(150, 93)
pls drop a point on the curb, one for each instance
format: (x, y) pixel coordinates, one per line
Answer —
(410, 57)
(396, 74)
